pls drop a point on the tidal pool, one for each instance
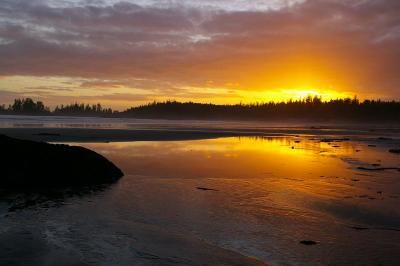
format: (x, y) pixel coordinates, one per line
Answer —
(259, 197)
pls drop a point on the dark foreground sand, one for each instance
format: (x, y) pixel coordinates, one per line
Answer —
(150, 246)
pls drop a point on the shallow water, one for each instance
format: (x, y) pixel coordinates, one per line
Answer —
(26, 121)
(256, 196)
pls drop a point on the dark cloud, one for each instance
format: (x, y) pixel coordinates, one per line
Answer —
(355, 43)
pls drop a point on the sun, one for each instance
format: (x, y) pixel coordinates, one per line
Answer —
(303, 93)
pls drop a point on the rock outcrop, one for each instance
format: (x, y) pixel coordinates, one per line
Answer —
(29, 164)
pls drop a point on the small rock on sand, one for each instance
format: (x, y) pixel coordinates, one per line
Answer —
(383, 138)
(49, 134)
(359, 228)
(308, 242)
(378, 168)
(206, 189)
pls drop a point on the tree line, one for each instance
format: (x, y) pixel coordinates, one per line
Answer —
(27, 106)
(30, 107)
(311, 108)
(82, 109)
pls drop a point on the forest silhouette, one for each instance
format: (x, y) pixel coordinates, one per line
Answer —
(310, 108)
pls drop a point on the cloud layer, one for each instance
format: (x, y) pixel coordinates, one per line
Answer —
(340, 44)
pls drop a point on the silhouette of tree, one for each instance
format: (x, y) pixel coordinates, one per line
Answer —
(17, 106)
(28, 106)
(82, 109)
(310, 108)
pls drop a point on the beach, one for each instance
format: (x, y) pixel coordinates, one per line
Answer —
(215, 194)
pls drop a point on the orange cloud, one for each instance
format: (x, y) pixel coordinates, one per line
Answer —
(345, 47)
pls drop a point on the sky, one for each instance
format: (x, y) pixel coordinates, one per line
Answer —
(126, 53)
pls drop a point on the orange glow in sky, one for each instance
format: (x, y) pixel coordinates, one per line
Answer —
(134, 52)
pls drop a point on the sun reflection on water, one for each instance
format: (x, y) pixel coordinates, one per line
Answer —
(265, 192)
(305, 163)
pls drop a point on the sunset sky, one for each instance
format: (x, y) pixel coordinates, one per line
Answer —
(125, 53)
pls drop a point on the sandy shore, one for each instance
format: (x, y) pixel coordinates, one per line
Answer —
(111, 135)
(114, 135)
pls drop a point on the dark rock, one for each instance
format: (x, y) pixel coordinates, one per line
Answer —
(384, 138)
(395, 151)
(204, 188)
(308, 242)
(359, 228)
(29, 164)
(49, 134)
(378, 168)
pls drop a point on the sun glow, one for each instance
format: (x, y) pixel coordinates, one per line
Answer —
(283, 95)
(61, 90)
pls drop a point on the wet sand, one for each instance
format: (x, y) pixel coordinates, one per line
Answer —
(218, 202)
(151, 245)
(186, 133)
(193, 196)
(111, 135)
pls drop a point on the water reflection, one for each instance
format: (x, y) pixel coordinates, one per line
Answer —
(278, 159)
(274, 190)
